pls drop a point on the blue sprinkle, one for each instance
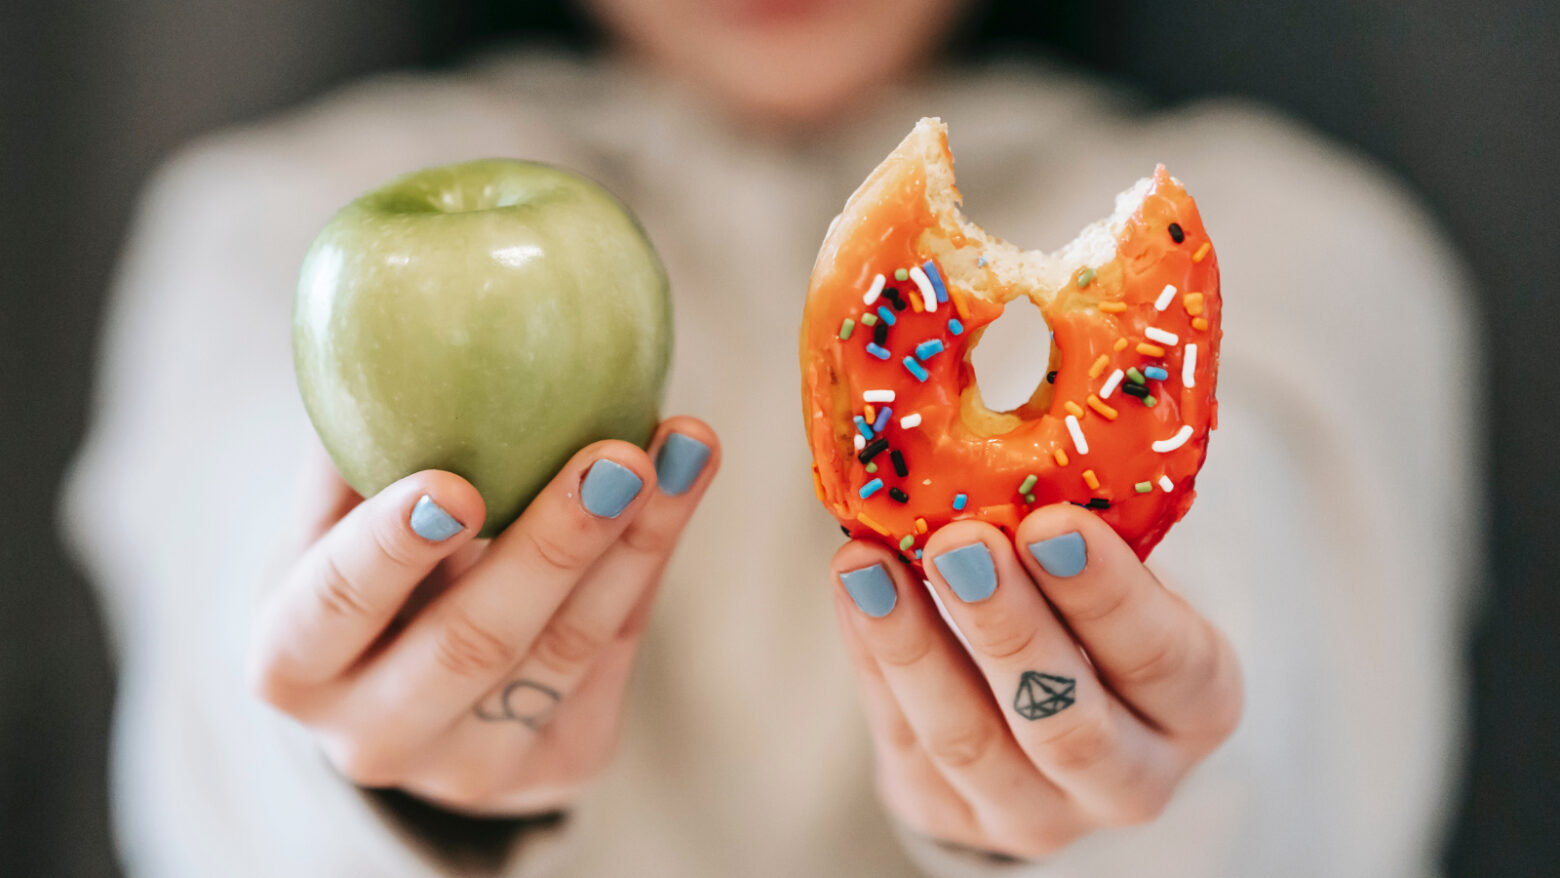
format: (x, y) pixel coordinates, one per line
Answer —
(882, 419)
(871, 488)
(877, 350)
(917, 554)
(937, 285)
(915, 368)
(861, 424)
(1155, 373)
(980, 262)
(887, 314)
(929, 348)
(955, 327)
(958, 502)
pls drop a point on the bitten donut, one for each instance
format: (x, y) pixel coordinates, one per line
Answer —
(903, 287)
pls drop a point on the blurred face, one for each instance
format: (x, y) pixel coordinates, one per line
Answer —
(781, 60)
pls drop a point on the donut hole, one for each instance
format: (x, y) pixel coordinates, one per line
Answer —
(1012, 357)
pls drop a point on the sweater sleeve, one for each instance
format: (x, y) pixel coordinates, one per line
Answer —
(179, 506)
(1336, 535)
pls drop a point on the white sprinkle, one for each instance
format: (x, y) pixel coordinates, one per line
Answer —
(1161, 336)
(1189, 367)
(1165, 484)
(1174, 442)
(1111, 384)
(1079, 443)
(909, 421)
(861, 441)
(924, 283)
(877, 396)
(875, 290)
(1165, 296)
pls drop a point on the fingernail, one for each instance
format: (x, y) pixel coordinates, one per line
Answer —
(679, 462)
(1061, 556)
(432, 523)
(969, 571)
(608, 488)
(871, 589)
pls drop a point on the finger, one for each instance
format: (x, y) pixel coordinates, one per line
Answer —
(500, 767)
(686, 454)
(944, 698)
(471, 636)
(349, 584)
(1162, 657)
(1063, 717)
(909, 784)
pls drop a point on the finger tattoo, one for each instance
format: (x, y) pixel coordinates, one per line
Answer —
(1042, 695)
(526, 702)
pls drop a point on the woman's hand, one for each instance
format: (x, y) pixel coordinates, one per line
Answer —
(485, 676)
(1086, 694)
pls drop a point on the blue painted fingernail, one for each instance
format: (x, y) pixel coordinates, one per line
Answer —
(609, 487)
(1061, 556)
(432, 523)
(679, 462)
(969, 571)
(871, 589)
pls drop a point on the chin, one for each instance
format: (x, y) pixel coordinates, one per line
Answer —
(782, 100)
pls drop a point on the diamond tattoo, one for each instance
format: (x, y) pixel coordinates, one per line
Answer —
(1042, 695)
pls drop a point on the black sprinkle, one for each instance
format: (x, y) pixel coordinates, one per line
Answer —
(899, 463)
(1050, 377)
(1132, 388)
(1099, 503)
(899, 304)
(899, 495)
(1176, 234)
(901, 557)
(1080, 505)
(891, 293)
(880, 334)
(873, 449)
(844, 530)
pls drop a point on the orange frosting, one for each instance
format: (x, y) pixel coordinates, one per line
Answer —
(947, 455)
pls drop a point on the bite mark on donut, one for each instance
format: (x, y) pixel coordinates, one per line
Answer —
(902, 238)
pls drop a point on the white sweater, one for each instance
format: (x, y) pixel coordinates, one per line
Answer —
(1333, 536)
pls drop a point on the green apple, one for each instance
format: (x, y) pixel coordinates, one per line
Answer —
(487, 318)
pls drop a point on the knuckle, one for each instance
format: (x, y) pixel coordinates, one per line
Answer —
(556, 554)
(1163, 658)
(899, 735)
(469, 649)
(1042, 839)
(1221, 705)
(1096, 608)
(564, 646)
(366, 763)
(340, 594)
(1084, 745)
(903, 652)
(266, 680)
(962, 746)
(646, 537)
(394, 542)
(1145, 805)
(1004, 638)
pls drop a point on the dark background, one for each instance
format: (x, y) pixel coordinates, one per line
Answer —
(1463, 99)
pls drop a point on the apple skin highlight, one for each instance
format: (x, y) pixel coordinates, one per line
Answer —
(488, 318)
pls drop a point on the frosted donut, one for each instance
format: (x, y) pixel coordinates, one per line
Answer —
(904, 284)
